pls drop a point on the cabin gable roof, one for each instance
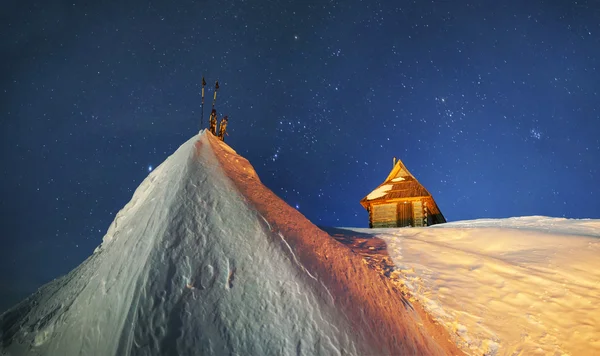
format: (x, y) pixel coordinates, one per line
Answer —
(400, 183)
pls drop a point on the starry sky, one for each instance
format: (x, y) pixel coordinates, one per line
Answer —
(494, 106)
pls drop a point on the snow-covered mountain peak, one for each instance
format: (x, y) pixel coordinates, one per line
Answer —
(206, 260)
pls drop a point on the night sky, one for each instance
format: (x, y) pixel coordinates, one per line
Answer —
(494, 106)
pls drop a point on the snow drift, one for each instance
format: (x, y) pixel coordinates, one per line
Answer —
(518, 286)
(205, 260)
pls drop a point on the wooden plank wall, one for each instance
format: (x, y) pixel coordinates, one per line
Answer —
(405, 213)
(418, 213)
(384, 215)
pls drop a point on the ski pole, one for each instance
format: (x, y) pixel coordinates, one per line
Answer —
(202, 115)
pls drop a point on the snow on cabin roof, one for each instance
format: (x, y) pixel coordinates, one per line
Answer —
(400, 183)
(380, 191)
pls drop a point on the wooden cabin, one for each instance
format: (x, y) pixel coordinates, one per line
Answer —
(401, 201)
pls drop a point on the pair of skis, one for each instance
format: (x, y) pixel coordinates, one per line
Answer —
(214, 99)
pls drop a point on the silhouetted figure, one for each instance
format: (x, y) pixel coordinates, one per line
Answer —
(223, 128)
(213, 122)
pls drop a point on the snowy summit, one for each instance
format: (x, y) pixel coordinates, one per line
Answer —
(206, 260)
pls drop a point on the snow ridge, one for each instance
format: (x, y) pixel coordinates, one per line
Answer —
(193, 264)
(186, 268)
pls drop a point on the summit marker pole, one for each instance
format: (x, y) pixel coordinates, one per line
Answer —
(216, 90)
(202, 115)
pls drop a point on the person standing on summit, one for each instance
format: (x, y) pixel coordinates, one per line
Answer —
(223, 128)
(213, 122)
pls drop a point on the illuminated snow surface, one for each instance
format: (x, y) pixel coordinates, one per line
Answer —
(204, 260)
(518, 286)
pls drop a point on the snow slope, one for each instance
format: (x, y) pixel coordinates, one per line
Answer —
(518, 286)
(205, 260)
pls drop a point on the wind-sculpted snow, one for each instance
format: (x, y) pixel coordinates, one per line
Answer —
(518, 286)
(192, 266)
(374, 306)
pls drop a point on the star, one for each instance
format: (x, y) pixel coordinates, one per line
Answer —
(535, 134)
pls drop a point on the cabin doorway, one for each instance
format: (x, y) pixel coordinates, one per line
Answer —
(405, 214)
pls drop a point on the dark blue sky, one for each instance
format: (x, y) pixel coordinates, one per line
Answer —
(492, 105)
